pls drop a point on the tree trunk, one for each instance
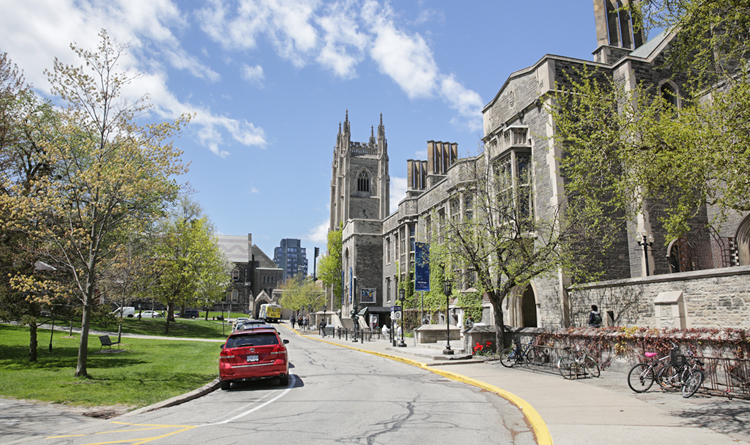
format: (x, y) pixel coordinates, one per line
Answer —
(501, 342)
(83, 345)
(170, 316)
(32, 341)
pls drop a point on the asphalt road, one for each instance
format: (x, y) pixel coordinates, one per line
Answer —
(335, 395)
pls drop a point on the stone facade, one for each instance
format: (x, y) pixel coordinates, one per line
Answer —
(517, 128)
(716, 298)
(253, 278)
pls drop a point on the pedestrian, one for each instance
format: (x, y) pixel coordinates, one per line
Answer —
(306, 322)
(468, 323)
(292, 320)
(385, 330)
(299, 321)
(595, 319)
(322, 327)
(399, 332)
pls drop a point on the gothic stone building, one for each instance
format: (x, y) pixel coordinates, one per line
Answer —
(254, 277)
(701, 280)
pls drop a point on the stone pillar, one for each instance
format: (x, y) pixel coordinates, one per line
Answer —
(669, 310)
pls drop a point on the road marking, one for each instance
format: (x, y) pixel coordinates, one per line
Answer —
(541, 432)
(183, 428)
(241, 415)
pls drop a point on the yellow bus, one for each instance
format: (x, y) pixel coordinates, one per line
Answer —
(270, 313)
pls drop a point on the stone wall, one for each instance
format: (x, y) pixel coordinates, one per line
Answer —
(717, 298)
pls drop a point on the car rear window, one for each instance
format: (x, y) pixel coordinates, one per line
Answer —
(259, 339)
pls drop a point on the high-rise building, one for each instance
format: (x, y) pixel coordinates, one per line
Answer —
(291, 257)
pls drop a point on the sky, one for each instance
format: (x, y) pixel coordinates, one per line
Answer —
(269, 81)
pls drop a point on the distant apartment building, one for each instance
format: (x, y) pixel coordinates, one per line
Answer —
(291, 257)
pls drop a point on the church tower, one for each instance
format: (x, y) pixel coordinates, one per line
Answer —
(360, 183)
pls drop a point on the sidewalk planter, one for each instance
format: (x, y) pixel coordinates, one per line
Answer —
(433, 333)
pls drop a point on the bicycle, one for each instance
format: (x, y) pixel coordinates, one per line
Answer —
(683, 372)
(512, 356)
(577, 363)
(642, 375)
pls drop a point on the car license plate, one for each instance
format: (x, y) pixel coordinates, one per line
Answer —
(252, 358)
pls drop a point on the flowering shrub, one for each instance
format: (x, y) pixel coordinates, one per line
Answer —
(486, 349)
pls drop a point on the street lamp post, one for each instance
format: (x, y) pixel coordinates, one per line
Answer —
(354, 309)
(447, 292)
(648, 241)
(402, 297)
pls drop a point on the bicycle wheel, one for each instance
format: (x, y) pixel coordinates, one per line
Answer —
(508, 357)
(591, 366)
(567, 368)
(640, 377)
(693, 383)
(536, 357)
(668, 377)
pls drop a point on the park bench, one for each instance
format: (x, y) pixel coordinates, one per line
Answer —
(106, 341)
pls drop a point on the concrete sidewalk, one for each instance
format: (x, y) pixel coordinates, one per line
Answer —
(593, 410)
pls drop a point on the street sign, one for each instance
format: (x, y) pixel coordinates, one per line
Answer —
(397, 315)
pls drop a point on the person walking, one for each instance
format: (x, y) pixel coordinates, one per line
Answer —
(292, 320)
(322, 327)
(595, 318)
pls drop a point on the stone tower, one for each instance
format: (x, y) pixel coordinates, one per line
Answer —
(360, 183)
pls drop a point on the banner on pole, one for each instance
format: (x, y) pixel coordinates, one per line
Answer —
(421, 267)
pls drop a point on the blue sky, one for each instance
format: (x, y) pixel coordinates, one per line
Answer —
(270, 80)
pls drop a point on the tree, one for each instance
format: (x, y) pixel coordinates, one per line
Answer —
(25, 120)
(111, 175)
(300, 293)
(505, 242)
(191, 267)
(631, 149)
(329, 269)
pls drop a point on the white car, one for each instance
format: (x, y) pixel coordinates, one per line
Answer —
(128, 312)
(150, 314)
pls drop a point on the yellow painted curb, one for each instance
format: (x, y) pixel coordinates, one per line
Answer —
(538, 425)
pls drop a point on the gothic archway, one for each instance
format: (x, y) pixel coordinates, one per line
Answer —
(743, 242)
(528, 308)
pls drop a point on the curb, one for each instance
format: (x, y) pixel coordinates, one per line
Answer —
(539, 427)
(177, 400)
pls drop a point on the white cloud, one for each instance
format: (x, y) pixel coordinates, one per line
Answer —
(398, 192)
(344, 43)
(146, 26)
(407, 59)
(319, 234)
(467, 102)
(253, 74)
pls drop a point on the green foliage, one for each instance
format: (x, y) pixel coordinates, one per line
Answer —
(471, 302)
(329, 267)
(629, 149)
(300, 294)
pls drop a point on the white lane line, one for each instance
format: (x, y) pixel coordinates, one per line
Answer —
(292, 381)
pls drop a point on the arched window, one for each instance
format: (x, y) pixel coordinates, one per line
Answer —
(363, 182)
(669, 94)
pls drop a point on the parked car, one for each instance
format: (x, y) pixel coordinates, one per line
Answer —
(238, 322)
(127, 311)
(190, 313)
(251, 355)
(253, 324)
(149, 314)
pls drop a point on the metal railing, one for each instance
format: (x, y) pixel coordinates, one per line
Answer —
(728, 377)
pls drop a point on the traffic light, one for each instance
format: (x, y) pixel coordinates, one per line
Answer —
(317, 251)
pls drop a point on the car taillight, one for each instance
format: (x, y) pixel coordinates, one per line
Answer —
(224, 355)
(278, 350)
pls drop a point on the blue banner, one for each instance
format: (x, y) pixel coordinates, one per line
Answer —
(421, 267)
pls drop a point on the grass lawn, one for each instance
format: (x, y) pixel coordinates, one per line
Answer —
(148, 371)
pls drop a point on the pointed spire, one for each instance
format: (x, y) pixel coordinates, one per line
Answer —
(339, 127)
(347, 115)
(372, 131)
(381, 128)
(346, 122)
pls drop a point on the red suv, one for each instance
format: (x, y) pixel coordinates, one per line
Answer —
(252, 355)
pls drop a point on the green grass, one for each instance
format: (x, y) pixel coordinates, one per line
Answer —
(148, 371)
